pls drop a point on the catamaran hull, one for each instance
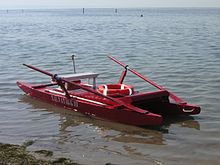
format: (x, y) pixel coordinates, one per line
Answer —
(93, 109)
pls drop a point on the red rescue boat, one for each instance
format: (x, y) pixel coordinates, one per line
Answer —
(117, 102)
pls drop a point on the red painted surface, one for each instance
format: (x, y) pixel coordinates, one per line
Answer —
(106, 111)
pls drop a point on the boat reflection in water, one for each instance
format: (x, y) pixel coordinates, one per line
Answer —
(73, 123)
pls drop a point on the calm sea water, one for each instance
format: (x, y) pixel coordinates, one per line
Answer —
(178, 48)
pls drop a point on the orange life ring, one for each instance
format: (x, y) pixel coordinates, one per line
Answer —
(116, 89)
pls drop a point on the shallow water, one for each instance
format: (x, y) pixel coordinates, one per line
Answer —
(178, 48)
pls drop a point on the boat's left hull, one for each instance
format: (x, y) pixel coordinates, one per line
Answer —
(94, 109)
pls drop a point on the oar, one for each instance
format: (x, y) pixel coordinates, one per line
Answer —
(39, 70)
(173, 96)
(54, 76)
(57, 78)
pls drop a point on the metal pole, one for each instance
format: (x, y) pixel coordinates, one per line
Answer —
(74, 66)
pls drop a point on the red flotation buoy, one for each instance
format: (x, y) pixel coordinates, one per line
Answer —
(116, 89)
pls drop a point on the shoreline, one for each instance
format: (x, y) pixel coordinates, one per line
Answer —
(17, 154)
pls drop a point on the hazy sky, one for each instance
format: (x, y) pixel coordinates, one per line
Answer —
(4, 4)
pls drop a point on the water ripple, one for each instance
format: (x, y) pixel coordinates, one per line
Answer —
(178, 48)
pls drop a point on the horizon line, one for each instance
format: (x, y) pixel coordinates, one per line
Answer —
(69, 8)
